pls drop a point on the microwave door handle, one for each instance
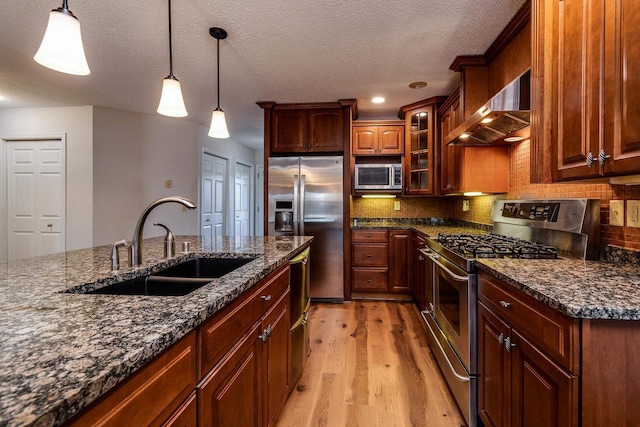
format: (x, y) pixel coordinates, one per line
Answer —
(296, 202)
(303, 183)
(453, 275)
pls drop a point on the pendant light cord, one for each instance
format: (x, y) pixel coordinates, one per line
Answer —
(170, 47)
(218, 49)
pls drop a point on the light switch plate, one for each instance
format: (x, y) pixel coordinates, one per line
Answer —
(465, 205)
(616, 213)
(168, 183)
(633, 213)
(396, 205)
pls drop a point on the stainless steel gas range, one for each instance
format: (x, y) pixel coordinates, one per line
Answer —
(524, 229)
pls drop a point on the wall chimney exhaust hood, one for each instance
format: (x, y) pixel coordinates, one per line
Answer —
(504, 119)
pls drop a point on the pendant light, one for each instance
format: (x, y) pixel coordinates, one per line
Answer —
(218, 127)
(61, 48)
(171, 102)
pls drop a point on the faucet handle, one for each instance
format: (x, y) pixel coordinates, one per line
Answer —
(169, 241)
(115, 257)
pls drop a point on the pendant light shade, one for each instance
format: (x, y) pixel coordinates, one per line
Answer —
(171, 102)
(218, 127)
(61, 48)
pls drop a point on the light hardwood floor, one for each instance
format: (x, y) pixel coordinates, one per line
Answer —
(369, 366)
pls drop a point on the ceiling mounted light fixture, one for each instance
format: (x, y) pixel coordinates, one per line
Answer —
(61, 48)
(418, 85)
(171, 102)
(377, 100)
(218, 127)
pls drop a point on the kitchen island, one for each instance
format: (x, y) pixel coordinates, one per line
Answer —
(61, 351)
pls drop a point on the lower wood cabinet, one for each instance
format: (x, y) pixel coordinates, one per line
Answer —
(382, 261)
(520, 383)
(419, 276)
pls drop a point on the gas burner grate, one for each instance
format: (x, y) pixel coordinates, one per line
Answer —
(495, 246)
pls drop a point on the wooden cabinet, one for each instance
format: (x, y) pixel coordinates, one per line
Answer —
(591, 75)
(450, 117)
(231, 394)
(528, 359)
(420, 136)
(292, 129)
(369, 260)
(401, 261)
(382, 261)
(152, 395)
(377, 138)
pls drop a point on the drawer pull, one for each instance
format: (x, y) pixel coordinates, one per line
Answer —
(369, 256)
(508, 344)
(266, 297)
(368, 235)
(504, 304)
(369, 280)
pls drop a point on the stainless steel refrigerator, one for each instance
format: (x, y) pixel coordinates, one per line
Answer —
(305, 199)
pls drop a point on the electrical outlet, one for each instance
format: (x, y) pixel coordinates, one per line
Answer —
(616, 213)
(396, 205)
(465, 205)
(168, 183)
(633, 213)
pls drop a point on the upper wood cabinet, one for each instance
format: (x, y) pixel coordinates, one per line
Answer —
(306, 128)
(450, 117)
(420, 135)
(586, 59)
(377, 138)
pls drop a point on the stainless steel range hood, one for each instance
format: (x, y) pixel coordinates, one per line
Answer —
(504, 119)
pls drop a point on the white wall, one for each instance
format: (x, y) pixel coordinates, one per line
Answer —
(77, 124)
(133, 156)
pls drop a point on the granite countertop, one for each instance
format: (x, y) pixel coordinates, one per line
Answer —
(60, 351)
(577, 288)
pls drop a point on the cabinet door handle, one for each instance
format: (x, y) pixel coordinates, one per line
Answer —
(508, 344)
(504, 304)
(590, 159)
(603, 157)
(264, 337)
(266, 297)
(501, 338)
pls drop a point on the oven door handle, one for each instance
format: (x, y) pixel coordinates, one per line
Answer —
(453, 275)
(462, 378)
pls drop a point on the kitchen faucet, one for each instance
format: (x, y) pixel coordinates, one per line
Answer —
(135, 247)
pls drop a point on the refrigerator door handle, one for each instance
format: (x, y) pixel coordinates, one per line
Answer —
(303, 182)
(296, 204)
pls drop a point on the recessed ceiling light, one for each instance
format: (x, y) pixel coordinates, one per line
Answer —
(418, 85)
(514, 139)
(464, 136)
(423, 114)
(486, 120)
(377, 100)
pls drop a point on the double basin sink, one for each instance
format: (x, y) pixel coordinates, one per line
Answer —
(176, 280)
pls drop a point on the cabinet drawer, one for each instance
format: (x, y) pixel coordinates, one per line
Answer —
(151, 395)
(370, 255)
(421, 242)
(369, 236)
(369, 279)
(218, 334)
(555, 333)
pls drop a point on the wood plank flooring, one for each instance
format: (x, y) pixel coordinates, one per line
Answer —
(369, 366)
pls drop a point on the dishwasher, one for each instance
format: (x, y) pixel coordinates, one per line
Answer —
(300, 347)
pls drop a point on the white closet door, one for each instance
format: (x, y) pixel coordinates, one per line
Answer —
(242, 210)
(214, 195)
(36, 198)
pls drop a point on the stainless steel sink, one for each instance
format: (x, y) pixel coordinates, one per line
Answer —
(180, 279)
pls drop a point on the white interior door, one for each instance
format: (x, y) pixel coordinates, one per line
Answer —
(259, 217)
(242, 201)
(36, 198)
(213, 199)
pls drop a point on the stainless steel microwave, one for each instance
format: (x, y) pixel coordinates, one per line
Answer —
(378, 176)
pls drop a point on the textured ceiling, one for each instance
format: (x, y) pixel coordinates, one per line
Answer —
(280, 50)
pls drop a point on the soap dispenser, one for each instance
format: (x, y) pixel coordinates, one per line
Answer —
(169, 242)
